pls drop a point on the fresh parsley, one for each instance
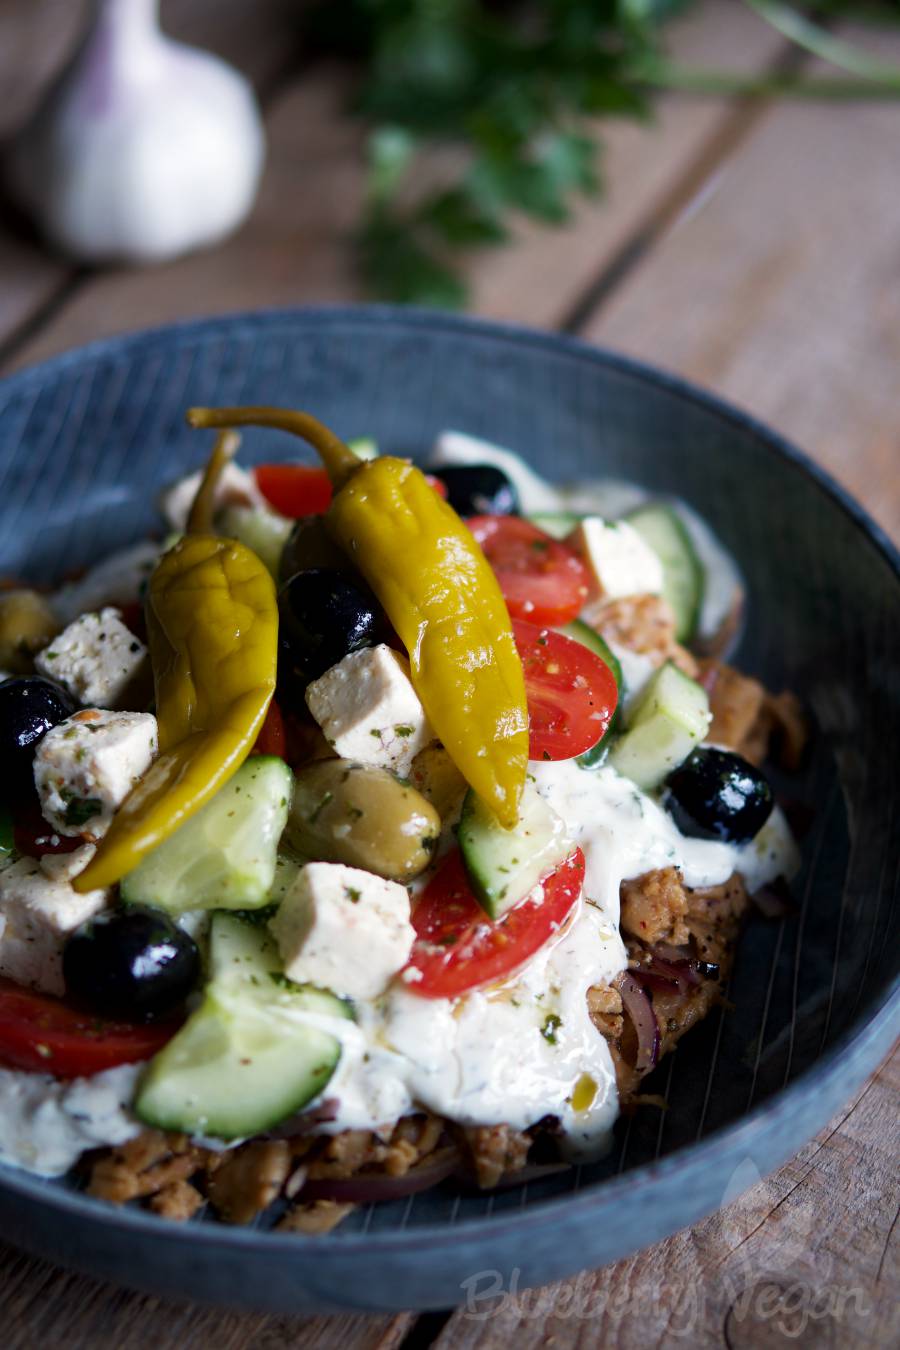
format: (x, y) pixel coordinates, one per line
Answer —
(499, 103)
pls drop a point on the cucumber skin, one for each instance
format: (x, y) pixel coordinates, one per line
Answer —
(241, 997)
(242, 1113)
(145, 885)
(583, 633)
(686, 601)
(479, 834)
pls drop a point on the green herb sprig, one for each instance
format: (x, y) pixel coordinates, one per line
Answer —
(482, 112)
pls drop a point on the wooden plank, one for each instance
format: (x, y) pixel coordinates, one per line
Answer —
(780, 288)
(292, 250)
(539, 278)
(295, 248)
(41, 1305)
(810, 1256)
(36, 39)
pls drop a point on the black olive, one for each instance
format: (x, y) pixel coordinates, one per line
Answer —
(323, 615)
(716, 794)
(478, 490)
(133, 963)
(29, 707)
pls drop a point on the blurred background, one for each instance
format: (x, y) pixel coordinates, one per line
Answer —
(712, 186)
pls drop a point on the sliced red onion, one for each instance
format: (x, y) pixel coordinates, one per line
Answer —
(667, 952)
(306, 1122)
(774, 901)
(371, 1187)
(682, 973)
(637, 1005)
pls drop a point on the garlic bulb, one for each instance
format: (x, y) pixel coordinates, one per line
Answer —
(143, 149)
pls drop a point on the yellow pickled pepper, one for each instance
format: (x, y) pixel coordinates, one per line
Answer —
(212, 625)
(440, 594)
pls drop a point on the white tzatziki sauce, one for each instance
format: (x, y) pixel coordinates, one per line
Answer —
(47, 1123)
(515, 1052)
(528, 1048)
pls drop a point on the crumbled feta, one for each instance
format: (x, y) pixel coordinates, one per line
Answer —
(96, 659)
(236, 487)
(343, 929)
(37, 913)
(369, 711)
(85, 767)
(619, 560)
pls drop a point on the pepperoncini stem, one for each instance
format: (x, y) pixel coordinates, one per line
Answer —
(339, 460)
(200, 518)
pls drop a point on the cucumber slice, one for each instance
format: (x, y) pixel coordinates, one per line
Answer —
(580, 632)
(263, 531)
(224, 856)
(248, 1057)
(504, 865)
(684, 577)
(555, 523)
(669, 719)
(583, 633)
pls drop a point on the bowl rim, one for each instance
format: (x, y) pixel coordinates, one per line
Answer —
(865, 1037)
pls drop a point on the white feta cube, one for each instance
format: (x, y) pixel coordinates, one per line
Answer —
(96, 659)
(236, 487)
(619, 560)
(65, 866)
(369, 711)
(37, 913)
(343, 929)
(85, 767)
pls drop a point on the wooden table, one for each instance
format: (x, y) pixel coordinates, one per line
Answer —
(753, 247)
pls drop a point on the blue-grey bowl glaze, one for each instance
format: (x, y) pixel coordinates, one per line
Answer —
(88, 438)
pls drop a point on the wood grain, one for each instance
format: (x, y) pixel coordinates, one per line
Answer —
(41, 1305)
(295, 249)
(776, 284)
(543, 273)
(780, 288)
(36, 38)
(809, 1257)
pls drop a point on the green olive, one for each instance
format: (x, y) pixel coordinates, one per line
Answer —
(27, 623)
(362, 816)
(438, 779)
(309, 545)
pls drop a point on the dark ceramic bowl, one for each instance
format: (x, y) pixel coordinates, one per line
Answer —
(85, 442)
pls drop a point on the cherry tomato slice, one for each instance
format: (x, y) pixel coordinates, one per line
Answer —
(571, 692)
(294, 490)
(458, 948)
(297, 490)
(541, 579)
(272, 738)
(35, 837)
(45, 1035)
